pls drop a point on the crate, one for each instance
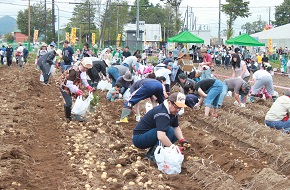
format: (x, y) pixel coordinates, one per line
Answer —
(185, 64)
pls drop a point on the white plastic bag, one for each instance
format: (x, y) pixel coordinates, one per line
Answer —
(41, 79)
(181, 111)
(81, 106)
(104, 85)
(5, 60)
(168, 159)
(52, 70)
(127, 94)
(148, 106)
(13, 60)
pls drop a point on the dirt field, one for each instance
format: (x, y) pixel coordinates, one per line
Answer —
(38, 150)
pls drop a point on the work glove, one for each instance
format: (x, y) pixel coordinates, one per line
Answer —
(185, 144)
(197, 107)
(181, 149)
(79, 92)
(243, 105)
(90, 89)
(236, 103)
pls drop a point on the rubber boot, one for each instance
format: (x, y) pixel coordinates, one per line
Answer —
(124, 116)
(274, 98)
(67, 111)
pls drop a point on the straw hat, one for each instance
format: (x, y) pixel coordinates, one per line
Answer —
(58, 52)
(180, 55)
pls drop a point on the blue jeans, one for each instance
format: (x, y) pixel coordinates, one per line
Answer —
(279, 125)
(65, 67)
(206, 74)
(213, 94)
(67, 98)
(224, 93)
(147, 90)
(149, 138)
(114, 74)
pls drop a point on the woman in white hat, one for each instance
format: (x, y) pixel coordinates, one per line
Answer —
(42, 51)
(71, 82)
(44, 63)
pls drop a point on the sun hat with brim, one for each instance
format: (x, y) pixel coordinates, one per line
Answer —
(178, 98)
(87, 62)
(180, 55)
(52, 44)
(203, 50)
(247, 88)
(43, 44)
(58, 52)
(128, 76)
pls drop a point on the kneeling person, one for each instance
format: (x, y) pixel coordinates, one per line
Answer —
(160, 124)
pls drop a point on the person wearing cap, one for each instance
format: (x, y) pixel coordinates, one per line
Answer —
(67, 56)
(93, 73)
(209, 91)
(240, 68)
(132, 62)
(70, 83)
(9, 54)
(238, 87)
(278, 115)
(44, 63)
(140, 90)
(115, 71)
(42, 51)
(51, 46)
(262, 78)
(160, 124)
(183, 81)
(126, 80)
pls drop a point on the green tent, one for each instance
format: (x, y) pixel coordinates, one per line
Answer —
(244, 40)
(186, 37)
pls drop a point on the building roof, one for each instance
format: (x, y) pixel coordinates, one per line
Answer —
(280, 32)
(152, 32)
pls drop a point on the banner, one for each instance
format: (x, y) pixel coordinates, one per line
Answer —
(270, 45)
(67, 36)
(73, 35)
(118, 40)
(93, 39)
(35, 36)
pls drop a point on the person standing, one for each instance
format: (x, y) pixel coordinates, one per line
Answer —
(86, 52)
(45, 62)
(70, 84)
(278, 115)
(160, 124)
(239, 68)
(67, 56)
(9, 55)
(25, 54)
(43, 50)
(19, 54)
(2, 53)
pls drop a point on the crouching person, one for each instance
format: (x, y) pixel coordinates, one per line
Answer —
(70, 83)
(114, 92)
(160, 124)
(278, 115)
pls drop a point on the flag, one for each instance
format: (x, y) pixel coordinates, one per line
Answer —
(270, 45)
(67, 36)
(118, 40)
(35, 36)
(73, 35)
(93, 39)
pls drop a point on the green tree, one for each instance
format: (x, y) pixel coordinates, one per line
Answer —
(282, 13)
(9, 37)
(36, 21)
(235, 9)
(254, 27)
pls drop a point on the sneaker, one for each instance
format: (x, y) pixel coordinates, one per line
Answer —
(125, 120)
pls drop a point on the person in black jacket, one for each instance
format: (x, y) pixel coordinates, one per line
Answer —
(9, 55)
(98, 66)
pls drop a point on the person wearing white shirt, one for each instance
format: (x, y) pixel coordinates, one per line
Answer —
(132, 62)
(19, 54)
(165, 72)
(262, 78)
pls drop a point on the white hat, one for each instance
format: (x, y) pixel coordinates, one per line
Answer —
(58, 52)
(178, 98)
(87, 62)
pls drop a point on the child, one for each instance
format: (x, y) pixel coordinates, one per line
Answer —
(114, 92)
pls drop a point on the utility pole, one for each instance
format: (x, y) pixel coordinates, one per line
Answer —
(219, 32)
(28, 25)
(45, 20)
(89, 40)
(187, 18)
(53, 21)
(269, 15)
(137, 24)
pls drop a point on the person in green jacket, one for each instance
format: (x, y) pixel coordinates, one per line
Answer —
(117, 55)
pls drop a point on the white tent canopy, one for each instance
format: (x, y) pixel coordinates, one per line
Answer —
(280, 36)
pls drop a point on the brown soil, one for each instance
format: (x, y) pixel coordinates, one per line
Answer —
(39, 150)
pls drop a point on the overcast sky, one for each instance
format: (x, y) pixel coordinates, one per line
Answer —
(205, 11)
